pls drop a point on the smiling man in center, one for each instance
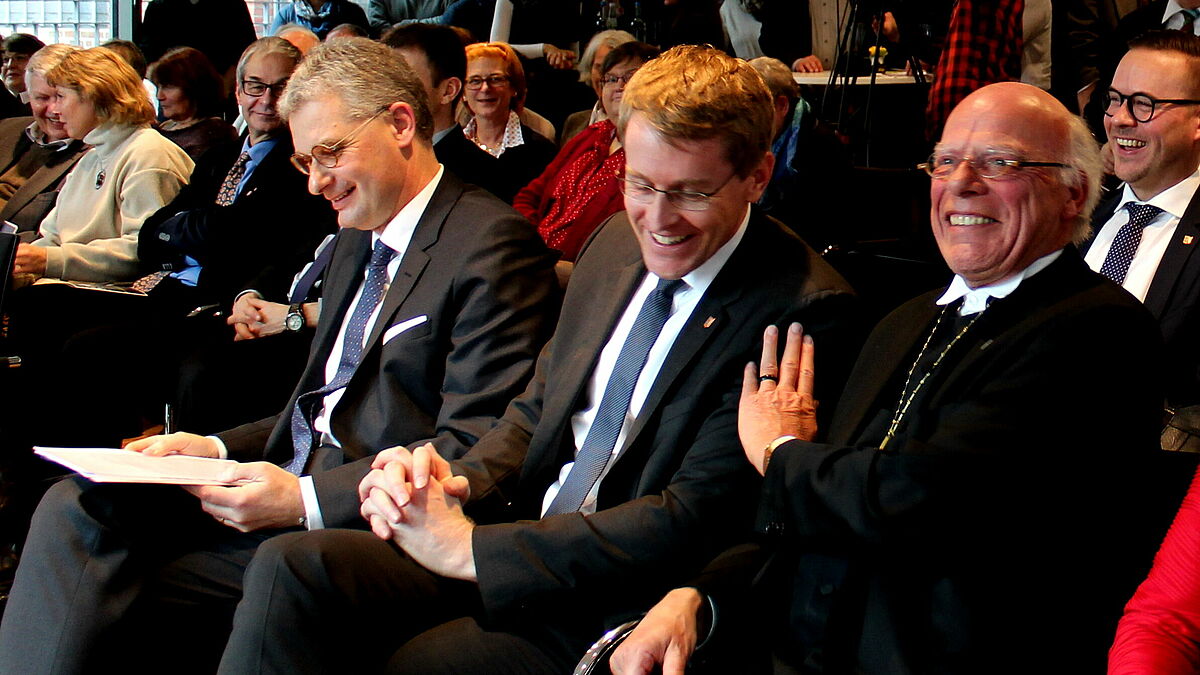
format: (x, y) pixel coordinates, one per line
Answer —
(616, 472)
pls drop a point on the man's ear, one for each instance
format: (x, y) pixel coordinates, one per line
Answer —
(404, 122)
(449, 89)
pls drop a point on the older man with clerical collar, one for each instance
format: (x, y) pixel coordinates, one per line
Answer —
(977, 505)
(35, 154)
(1147, 234)
(617, 472)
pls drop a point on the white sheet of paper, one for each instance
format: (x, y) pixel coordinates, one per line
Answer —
(111, 465)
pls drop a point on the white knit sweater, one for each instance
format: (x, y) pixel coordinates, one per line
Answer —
(92, 232)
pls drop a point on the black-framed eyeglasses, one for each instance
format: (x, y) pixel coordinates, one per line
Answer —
(492, 81)
(613, 79)
(255, 88)
(327, 155)
(942, 165)
(684, 200)
(1141, 106)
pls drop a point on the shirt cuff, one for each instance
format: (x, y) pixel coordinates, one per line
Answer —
(222, 451)
(312, 509)
(248, 290)
(712, 620)
(535, 51)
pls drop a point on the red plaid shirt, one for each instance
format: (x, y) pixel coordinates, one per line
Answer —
(983, 45)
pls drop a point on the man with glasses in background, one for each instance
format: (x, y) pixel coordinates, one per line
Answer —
(437, 300)
(14, 57)
(617, 472)
(1147, 234)
(979, 502)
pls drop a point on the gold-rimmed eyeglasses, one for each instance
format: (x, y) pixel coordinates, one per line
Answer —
(327, 155)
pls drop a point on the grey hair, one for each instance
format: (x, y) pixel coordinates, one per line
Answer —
(45, 59)
(264, 47)
(366, 76)
(777, 76)
(611, 38)
(1085, 171)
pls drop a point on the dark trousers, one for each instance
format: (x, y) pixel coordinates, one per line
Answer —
(123, 578)
(342, 600)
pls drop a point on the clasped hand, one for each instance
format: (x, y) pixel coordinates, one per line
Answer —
(414, 500)
(780, 402)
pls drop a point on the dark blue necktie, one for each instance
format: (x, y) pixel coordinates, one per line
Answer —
(303, 434)
(614, 404)
(1125, 244)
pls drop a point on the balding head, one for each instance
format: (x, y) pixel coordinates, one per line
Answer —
(989, 229)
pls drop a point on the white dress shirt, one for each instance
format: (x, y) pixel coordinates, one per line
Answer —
(684, 302)
(396, 234)
(1156, 236)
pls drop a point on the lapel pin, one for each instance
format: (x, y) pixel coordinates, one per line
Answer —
(710, 321)
(1187, 239)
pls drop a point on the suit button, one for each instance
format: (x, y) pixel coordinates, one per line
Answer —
(826, 589)
(774, 528)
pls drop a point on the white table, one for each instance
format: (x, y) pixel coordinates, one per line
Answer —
(822, 78)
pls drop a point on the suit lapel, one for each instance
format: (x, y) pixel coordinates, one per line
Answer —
(707, 319)
(34, 186)
(1175, 259)
(416, 257)
(874, 371)
(1101, 216)
(341, 281)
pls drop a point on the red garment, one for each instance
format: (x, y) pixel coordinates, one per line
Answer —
(577, 191)
(1160, 631)
(983, 46)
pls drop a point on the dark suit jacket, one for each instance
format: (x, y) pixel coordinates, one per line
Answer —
(472, 165)
(680, 487)
(1174, 300)
(1002, 530)
(485, 280)
(30, 204)
(11, 106)
(258, 241)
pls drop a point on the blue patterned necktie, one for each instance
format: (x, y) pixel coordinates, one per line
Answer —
(303, 434)
(1125, 244)
(614, 404)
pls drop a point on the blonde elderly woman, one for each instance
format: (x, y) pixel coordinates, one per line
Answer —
(495, 95)
(130, 172)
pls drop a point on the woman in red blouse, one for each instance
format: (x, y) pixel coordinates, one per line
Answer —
(1160, 631)
(579, 189)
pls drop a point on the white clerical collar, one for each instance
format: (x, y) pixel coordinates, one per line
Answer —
(1171, 9)
(975, 299)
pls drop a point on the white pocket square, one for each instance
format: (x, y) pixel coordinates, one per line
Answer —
(399, 328)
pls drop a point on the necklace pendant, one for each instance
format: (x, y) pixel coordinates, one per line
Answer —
(100, 179)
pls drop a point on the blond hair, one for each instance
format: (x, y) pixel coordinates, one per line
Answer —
(695, 92)
(512, 67)
(45, 59)
(108, 83)
(364, 75)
